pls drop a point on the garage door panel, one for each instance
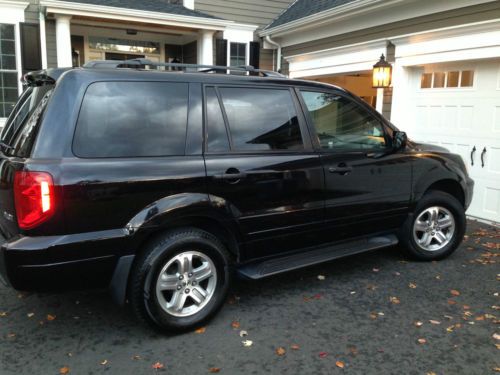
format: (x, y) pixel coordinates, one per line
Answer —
(461, 119)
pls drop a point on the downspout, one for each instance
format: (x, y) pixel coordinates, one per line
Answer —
(278, 46)
(43, 38)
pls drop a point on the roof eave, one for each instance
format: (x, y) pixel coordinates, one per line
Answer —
(348, 10)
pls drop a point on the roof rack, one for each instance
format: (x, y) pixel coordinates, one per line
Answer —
(194, 68)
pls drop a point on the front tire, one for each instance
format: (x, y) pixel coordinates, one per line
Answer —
(436, 228)
(180, 280)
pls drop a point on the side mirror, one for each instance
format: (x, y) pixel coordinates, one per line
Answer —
(399, 140)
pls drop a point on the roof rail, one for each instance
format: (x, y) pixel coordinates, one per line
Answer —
(196, 68)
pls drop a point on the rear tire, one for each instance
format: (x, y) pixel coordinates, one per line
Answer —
(435, 229)
(180, 280)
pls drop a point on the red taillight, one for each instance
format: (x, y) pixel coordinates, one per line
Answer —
(34, 198)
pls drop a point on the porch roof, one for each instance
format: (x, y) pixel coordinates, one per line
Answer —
(160, 6)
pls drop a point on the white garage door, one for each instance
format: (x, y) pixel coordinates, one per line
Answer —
(458, 106)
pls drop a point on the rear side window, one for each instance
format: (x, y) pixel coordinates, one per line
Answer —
(132, 119)
(261, 119)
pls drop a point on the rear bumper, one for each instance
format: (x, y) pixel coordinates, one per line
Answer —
(84, 260)
(3, 269)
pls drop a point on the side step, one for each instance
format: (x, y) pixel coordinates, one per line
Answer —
(260, 269)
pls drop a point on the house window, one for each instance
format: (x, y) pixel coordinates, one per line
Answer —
(8, 72)
(238, 54)
(451, 79)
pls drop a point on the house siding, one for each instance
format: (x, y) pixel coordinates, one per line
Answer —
(461, 16)
(256, 12)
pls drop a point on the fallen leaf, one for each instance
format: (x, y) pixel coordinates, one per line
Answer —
(214, 370)
(280, 351)
(434, 321)
(489, 316)
(295, 347)
(373, 316)
(431, 373)
(480, 318)
(323, 354)
(11, 335)
(381, 313)
(495, 307)
(105, 362)
(353, 350)
(235, 324)
(339, 364)
(3, 314)
(30, 315)
(422, 341)
(450, 328)
(247, 343)
(452, 302)
(376, 269)
(371, 287)
(200, 330)
(51, 317)
(496, 369)
(412, 285)
(243, 333)
(454, 292)
(448, 317)
(64, 370)
(136, 357)
(496, 336)
(395, 300)
(321, 277)
(466, 307)
(158, 366)
(498, 346)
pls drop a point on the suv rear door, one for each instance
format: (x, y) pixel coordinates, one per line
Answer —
(367, 187)
(259, 159)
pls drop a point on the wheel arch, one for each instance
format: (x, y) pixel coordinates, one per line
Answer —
(449, 186)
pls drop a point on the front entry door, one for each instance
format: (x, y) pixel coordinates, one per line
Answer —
(367, 189)
(259, 159)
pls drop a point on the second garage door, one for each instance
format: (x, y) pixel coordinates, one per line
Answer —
(458, 106)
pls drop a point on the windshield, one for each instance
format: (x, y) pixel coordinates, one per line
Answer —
(22, 115)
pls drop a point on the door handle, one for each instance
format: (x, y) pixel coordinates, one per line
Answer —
(342, 170)
(472, 155)
(482, 157)
(232, 175)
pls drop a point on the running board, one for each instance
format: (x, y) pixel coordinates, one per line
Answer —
(260, 269)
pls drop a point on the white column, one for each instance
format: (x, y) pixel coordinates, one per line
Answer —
(206, 47)
(188, 4)
(43, 40)
(63, 41)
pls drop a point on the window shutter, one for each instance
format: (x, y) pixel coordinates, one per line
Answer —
(255, 54)
(30, 47)
(221, 52)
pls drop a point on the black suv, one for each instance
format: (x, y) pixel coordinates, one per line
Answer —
(161, 184)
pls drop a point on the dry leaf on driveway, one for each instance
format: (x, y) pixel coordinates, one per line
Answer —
(158, 366)
(243, 333)
(200, 330)
(395, 300)
(434, 321)
(51, 317)
(214, 370)
(323, 354)
(280, 351)
(64, 370)
(295, 347)
(339, 364)
(422, 340)
(454, 292)
(247, 343)
(412, 285)
(321, 277)
(235, 324)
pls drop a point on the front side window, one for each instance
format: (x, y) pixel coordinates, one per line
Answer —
(8, 72)
(342, 124)
(238, 54)
(261, 119)
(132, 119)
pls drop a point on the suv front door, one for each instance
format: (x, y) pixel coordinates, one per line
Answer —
(367, 187)
(260, 160)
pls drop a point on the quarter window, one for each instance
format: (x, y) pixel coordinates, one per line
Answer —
(126, 119)
(8, 72)
(342, 124)
(261, 119)
(216, 129)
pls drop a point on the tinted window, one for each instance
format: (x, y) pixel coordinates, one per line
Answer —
(125, 119)
(217, 140)
(261, 119)
(343, 124)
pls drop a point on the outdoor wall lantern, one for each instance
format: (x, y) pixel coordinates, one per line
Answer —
(382, 72)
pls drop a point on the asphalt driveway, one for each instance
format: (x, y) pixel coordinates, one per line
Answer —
(376, 313)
